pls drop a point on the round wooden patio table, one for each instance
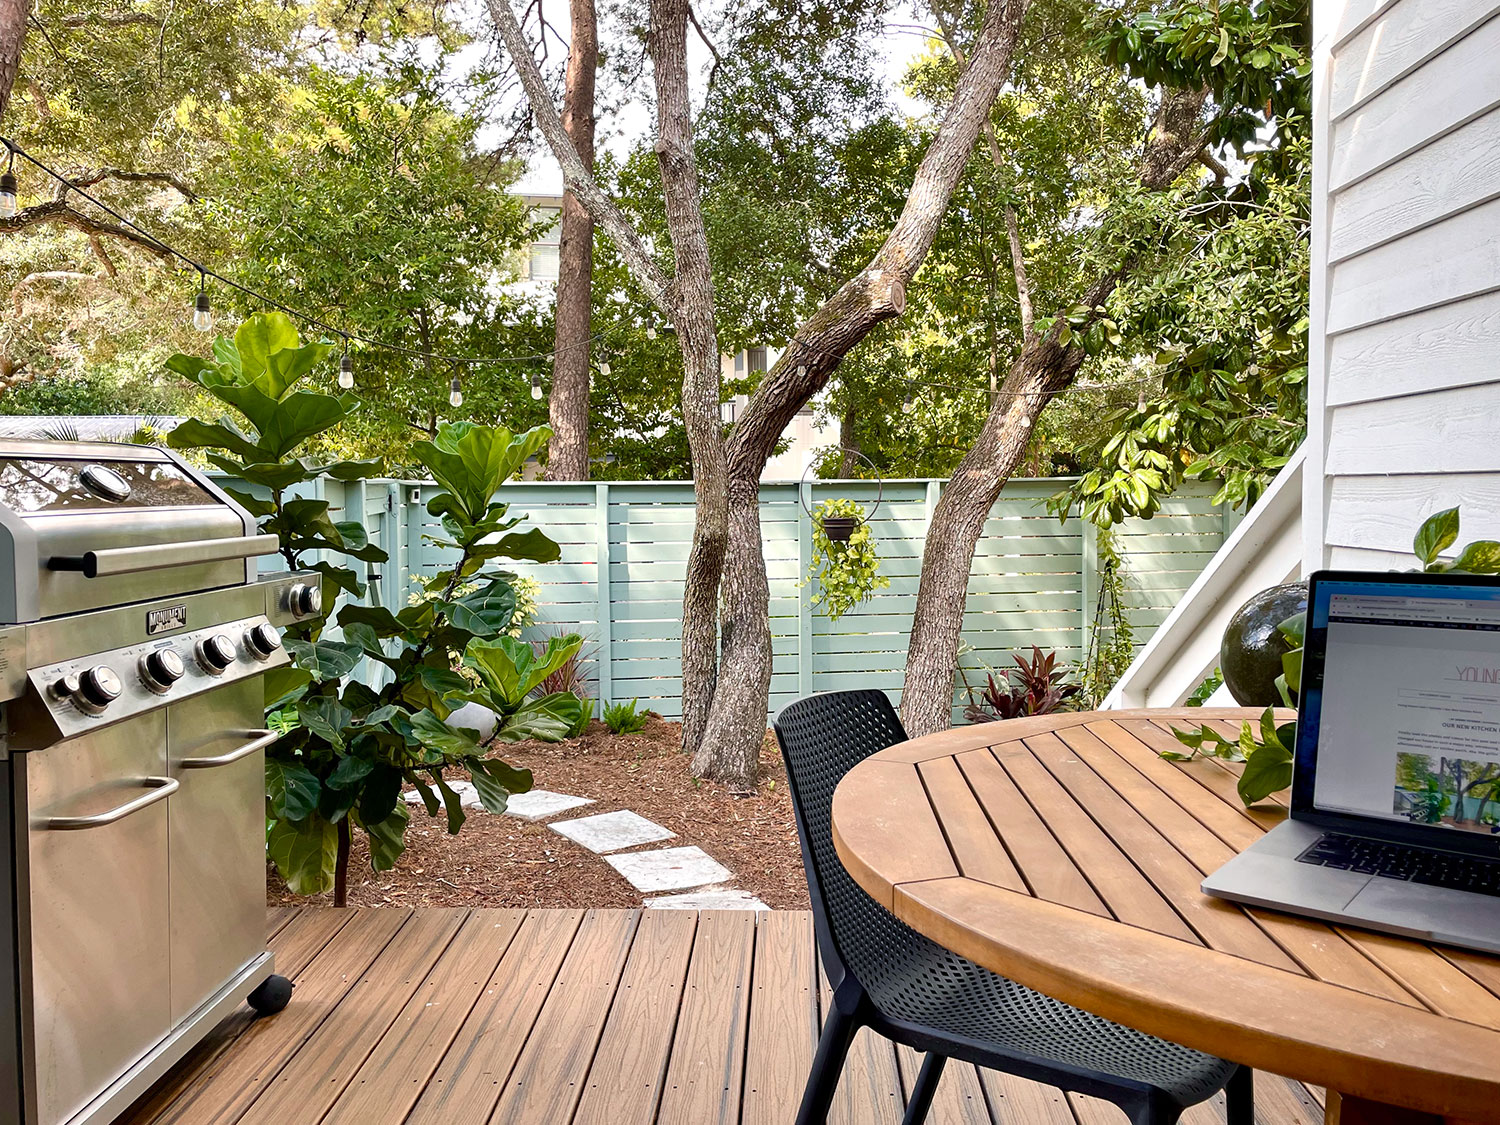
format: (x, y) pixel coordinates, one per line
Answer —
(1065, 853)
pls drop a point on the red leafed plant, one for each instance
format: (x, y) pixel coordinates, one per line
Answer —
(1033, 687)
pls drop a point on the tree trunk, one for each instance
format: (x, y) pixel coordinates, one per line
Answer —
(848, 442)
(1043, 368)
(730, 749)
(692, 301)
(12, 35)
(341, 865)
(568, 405)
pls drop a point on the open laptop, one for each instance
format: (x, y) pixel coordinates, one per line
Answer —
(1395, 821)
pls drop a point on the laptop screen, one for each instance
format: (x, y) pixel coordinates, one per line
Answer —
(1401, 716)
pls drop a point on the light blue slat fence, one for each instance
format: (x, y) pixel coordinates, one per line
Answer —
(625, 548)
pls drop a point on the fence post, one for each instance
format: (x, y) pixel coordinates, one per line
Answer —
(1089, 569)
(390, 542)
(606, 601)
(804, 592)
(413, 527)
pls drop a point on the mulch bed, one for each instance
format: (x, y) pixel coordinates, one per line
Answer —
(503, 861)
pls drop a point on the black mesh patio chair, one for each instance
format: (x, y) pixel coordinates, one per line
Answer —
(890, 978)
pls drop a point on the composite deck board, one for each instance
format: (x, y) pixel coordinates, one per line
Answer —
(563, 1017)
(783, 1017)
(630, 1065)
(707, 1069)
(467, 1082)
(312, 1080)
(392, 1078)
(548, 1077)
(869, 1090)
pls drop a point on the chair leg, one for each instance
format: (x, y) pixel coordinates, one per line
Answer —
(1154, 1108)
(828, 1064)
(1239, 1097)
(925, 1087)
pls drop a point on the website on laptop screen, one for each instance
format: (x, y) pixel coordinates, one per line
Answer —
(1409, 726)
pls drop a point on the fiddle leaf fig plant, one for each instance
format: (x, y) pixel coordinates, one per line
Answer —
(350, 744)
(847, 573)
(1268, 759)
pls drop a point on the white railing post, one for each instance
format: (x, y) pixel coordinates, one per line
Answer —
(606, 601)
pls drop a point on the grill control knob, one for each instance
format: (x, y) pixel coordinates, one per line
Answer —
(215, 653)
(262, 640)
(305, 600)
(161, 668)
(98, 688)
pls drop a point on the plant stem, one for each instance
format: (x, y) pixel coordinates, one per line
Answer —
(341, 866)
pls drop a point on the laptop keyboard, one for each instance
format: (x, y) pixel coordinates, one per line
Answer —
(1403, 861)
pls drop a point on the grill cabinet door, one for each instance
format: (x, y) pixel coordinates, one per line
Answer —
(218, 853)
(98, 904)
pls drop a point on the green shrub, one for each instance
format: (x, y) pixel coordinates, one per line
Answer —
(623, 718)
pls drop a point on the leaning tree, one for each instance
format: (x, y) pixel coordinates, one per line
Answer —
(726, 659)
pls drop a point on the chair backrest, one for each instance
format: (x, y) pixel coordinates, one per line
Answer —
(822, 738)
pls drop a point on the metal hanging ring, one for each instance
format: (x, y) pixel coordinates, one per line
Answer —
(845, 525)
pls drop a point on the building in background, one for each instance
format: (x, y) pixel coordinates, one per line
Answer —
(805, 438)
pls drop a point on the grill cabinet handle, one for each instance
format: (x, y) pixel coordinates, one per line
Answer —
(258, 741)
(160, 556)
(158, 789)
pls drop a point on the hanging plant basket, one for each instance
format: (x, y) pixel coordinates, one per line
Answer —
(839, 529)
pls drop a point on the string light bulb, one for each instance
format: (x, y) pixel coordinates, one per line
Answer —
(8, 186)
(536, 387)
(203, 313)
(604, 368)
(346, 368)
(907, 403)
(455, 393)
(650, 333)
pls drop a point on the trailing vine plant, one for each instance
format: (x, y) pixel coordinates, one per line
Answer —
(1269, 759)
(347, 749)
(846, 573)
(1111, 644)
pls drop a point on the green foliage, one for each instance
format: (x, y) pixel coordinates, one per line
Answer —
(847, 573)
(1211, 683)
(352, 747)
(1268, 760)
(623, 718)
(1213, 319)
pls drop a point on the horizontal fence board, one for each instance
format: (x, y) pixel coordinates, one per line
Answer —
(1029, 583)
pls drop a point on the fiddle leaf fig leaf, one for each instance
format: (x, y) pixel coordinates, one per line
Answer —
(304, 853)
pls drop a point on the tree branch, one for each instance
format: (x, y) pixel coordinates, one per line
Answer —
(577, 178)
(878, 292)
(109, 19)
(707, 42)
(89, 179)
(43, 275)
(59, 213)
(1023, 285)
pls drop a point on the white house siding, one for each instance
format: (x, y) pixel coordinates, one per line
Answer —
(1405, 360)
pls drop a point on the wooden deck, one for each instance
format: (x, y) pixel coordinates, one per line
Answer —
(556, 1016)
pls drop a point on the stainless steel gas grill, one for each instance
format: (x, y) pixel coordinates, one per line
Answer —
(133, 637)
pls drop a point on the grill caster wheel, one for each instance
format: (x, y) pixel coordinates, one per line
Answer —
(270, 995)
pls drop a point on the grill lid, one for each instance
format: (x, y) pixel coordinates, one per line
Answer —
(85, 525)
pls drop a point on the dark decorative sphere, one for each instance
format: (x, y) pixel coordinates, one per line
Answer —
(1250, 654)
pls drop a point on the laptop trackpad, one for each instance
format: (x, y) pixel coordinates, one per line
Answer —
(1444, 914)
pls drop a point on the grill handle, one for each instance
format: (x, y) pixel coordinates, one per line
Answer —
(161, 556)
(259, 740)
(158, 789)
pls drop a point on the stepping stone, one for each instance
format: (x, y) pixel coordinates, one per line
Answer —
(669, 869)
(611, 831)
(468, 796)
(708, 899)
(540, 803)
